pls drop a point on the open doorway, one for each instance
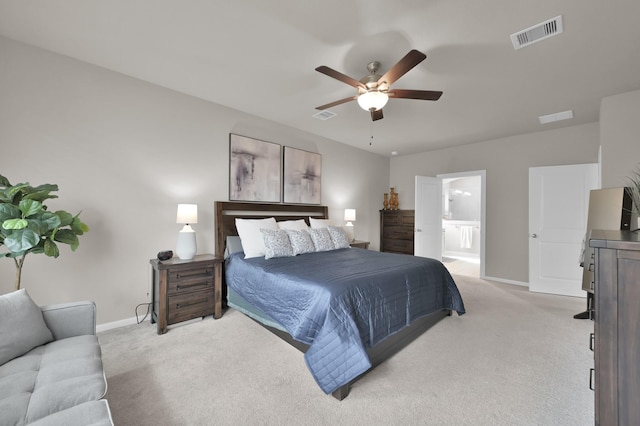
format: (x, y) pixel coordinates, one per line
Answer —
(463, 222)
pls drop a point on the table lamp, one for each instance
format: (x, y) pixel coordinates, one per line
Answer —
(350, 217)
(186, 246)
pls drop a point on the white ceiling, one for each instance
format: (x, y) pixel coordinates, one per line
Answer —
(259, 57)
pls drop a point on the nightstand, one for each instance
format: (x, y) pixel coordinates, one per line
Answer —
(359, 244)
(186, 289)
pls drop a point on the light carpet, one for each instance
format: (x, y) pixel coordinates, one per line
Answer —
(515, 358)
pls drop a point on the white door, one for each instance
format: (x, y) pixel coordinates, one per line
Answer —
(558, 208)
(427, 239)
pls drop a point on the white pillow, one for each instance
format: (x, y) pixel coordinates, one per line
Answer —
(277, 243)
(293, 224)
(300, 241)
(321, 239)
(319, 223)
(339, 237)
(250, 236)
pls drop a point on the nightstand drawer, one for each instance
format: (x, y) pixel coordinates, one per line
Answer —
(191, 305)
(190, 279)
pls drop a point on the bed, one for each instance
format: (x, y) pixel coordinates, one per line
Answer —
(347, 309)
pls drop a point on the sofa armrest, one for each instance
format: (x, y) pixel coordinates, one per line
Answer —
(70, 319)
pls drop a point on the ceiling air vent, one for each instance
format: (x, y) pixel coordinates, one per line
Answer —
(324, 115)
(538, 32)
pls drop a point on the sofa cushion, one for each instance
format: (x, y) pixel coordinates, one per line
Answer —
(94, 413)
(22, 326)
(50, 379)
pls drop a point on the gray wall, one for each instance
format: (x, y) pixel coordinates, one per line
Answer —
(620, 137)
(507, 163)
(125, 153)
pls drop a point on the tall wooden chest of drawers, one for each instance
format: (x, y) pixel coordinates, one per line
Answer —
(617, 327)
(186, 289)
(396, 231)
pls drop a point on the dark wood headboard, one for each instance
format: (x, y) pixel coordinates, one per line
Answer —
(228, 211)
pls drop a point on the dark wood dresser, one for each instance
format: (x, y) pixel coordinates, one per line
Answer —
(616, 343)
(186, 289)
(396, 231)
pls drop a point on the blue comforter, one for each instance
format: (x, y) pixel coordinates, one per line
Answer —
(341, 302)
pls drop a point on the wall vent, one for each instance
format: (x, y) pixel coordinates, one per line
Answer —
(537, 33)
(324, 115)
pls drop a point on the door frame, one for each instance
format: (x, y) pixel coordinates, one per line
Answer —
(483, 207)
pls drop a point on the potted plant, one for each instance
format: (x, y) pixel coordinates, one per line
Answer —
(633, 189)
(26, 226)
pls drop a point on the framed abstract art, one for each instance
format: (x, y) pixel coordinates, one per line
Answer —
(255, 170)
(302, 176)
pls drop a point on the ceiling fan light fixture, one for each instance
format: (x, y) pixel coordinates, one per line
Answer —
(372, 99)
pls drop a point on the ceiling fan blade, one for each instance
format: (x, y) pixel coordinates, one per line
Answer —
(339, 76)
(341, 101)
(409, 61)
(376, 115)
(425, 95)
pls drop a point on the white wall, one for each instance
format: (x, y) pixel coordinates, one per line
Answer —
(507, 163)
(125, 153)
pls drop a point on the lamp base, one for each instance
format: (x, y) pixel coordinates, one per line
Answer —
(350, 230)
(186, 245)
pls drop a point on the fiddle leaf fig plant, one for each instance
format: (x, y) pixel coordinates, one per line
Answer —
(633, 188)
(26, 226)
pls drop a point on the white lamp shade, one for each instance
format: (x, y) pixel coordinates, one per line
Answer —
(349, 215)
(372, 99)
(187, 213)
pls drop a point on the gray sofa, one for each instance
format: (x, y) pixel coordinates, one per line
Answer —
(51, 369)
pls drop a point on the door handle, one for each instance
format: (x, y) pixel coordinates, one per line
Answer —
(534, 235)
(418, 230)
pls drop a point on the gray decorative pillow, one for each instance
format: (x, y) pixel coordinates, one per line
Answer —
(339, 237)
(301, 241)
(234, 245)
(22, 326)
(277, 243)
(321, 239)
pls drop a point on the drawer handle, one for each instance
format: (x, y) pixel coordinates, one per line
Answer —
(199, 284)
(592, 339)
(591, 379)
(186, 305)
(591, 267)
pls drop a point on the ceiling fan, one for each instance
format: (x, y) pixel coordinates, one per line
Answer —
(374, 90)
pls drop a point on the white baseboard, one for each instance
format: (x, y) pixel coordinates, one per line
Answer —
(116, 324)
(502, 280)
(134, 320)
